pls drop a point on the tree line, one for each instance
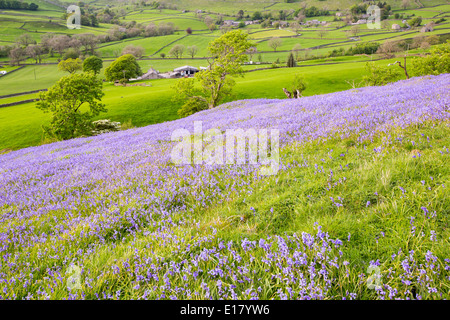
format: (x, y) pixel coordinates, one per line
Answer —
(17, 5)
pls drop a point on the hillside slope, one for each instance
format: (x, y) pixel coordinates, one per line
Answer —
(362, 182)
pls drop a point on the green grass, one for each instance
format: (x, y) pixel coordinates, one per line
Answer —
(150, 44)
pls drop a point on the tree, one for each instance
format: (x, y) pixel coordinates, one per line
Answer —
(124, 67)
(70, 65)
(378, 76)
(274, 43)
(355, 30)
(415, 22)
(257, 15)
(251, 51)
(46, 42)
(295, 26)
(93, 64)
(162, 55)
(35, 52)
(177, 51)
(240, 15)
(71, 53)
(322, 31)
(88, 41)
(136, 51)
(298, 85)
(192, 50)
(405, 4)
(388, 47)
(189, 30)
(60, 43)
(296, 50)
(229, 52)
(15, 55)
(212, 27)
(291, 61)
(25, 40)
(65, 99)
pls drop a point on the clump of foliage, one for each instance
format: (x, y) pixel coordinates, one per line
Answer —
(291, 61)
(124, 67)
(67, 101)
(415, 22)
(93, 63)
(437, 62)
(364, 48)
(378, 76)
(229, 52)
(70, 65)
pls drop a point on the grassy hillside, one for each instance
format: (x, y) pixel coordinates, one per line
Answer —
(362, 183)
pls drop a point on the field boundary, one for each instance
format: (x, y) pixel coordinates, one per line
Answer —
(21, 67)
(18, 102)
(21, 93)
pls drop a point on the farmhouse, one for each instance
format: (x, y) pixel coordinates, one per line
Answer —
(282, 24)
(312, 22)
(231, 23)
(150, 74)
(395, 27)
(248, 22)
(427, 28)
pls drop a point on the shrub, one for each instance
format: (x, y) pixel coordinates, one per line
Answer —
(436, 63)
(379, 76)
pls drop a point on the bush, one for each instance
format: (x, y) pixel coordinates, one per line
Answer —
(415, 22)
(71, 53)
(192, 106)
(436, 63)
(379, 76)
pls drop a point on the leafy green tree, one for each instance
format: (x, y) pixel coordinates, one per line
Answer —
(93, 63)
(73, 101)
(70, 65)
(229, 52)
(437, 62)
(124, 67)
(415, 22)
(257, 15)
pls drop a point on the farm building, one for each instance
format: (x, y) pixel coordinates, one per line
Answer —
(231, 23)
(186, 71)
(427, 28)
(150, 74)
(395, 27)
(3, 72)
